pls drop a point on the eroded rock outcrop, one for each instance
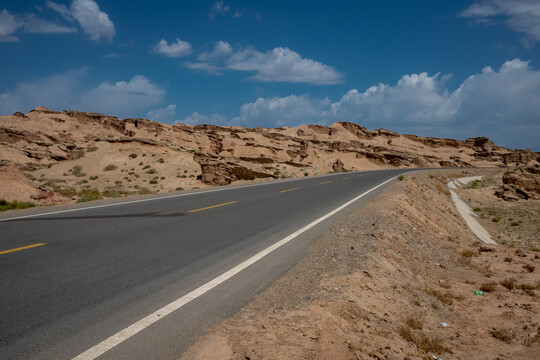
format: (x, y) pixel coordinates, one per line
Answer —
(520, 183)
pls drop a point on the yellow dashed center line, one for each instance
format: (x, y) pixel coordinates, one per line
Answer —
(326, 182)
(213, 206)
(21, 248)
(345, 178)
(282, 191)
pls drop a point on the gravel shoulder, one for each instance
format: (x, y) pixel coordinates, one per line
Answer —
(397, 280)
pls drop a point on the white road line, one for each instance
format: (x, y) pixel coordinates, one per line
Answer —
(140, 325)
(158, 198)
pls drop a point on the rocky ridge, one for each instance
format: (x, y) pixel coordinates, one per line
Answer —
(51, 147)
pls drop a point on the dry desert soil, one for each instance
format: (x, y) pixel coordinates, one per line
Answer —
(397, 280)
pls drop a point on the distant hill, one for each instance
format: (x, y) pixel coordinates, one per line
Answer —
(76, 156)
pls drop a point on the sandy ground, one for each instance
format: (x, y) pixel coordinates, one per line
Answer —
(397, 280)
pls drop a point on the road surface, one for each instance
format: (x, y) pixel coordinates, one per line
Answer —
(137, 279)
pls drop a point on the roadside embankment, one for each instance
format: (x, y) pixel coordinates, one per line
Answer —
(397, 279)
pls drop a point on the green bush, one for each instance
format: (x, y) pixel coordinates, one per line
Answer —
(401, 177)
(110, 167)
(132, 156)
(151, 171)
(153, 182)
(5, 205)
(161, 161)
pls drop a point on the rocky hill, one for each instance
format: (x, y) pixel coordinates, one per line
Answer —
(76, 156)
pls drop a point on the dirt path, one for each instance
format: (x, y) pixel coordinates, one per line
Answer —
(396, 280)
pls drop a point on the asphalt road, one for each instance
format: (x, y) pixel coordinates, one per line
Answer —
(70, 280)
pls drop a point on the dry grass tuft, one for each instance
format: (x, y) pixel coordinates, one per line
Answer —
(467, 253)
(488, 286)
(502, 334)
(508, 259)
(415, 321)
(445, 297)
(530, 268)
(508, 283)
(422, 342)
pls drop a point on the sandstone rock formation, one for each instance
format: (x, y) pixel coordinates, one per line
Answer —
(520, 183)
(153, 157)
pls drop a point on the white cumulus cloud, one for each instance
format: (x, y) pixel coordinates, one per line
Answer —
(502, 104)
(94, 22)
(162, 114)
(283, 65)
(124, 97)
(277, 65)
(291, 111)
(221, 49)
(196, 119)
(521, 15)
(71, 90)
(177, 49)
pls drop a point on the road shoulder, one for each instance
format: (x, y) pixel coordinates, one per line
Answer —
(394, 279)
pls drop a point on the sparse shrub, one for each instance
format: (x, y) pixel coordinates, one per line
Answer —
(514, 223)
(530, 268)
(76, 170)
(151, 171)
(6, 205)
(161, 161)
(88, 195)
(76, 154)
(145, 191)
(179, 188)
(502, 334)
(474, 184)
(132, 156)
(488, 286)
(146, 167)
(508, 259)
(477, 209)
(496, 219)
(422, 342)
(401, 177)
(508, 283)
(467, 253)
(431, 176)
(183, 176)
(153, 182)
(110, 167)
(69, 191)
(415, 321)
(306, 173)
(94, 177)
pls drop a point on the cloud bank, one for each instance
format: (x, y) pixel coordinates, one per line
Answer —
(503, 104)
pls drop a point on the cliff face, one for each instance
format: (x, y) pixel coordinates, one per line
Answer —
(49, 145)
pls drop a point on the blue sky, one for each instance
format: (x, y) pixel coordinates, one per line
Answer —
(433, 68)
